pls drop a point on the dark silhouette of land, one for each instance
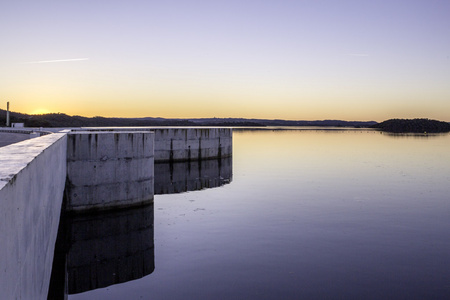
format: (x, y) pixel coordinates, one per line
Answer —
(63, 120)
(413, 126)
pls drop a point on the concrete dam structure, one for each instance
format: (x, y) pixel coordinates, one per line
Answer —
(94, 169)
(109, 170)
(182, 144)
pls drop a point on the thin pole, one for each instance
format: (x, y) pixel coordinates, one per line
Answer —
(7, 114)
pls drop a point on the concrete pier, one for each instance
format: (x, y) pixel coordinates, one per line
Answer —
(187, 144)
(108, 170)
(183, 144)
(96, 170)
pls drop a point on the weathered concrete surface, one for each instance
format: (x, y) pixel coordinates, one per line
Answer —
(182, 177)
(184, 144)
(32, 177)
(107, 170)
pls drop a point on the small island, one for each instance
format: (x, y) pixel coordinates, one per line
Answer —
(413, 126)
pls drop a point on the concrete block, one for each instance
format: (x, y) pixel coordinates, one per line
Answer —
(107, 170)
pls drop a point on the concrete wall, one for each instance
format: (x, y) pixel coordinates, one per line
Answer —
(108, 170)
(183, 144)
(32, 177)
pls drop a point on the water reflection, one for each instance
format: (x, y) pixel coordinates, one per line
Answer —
(98, 250)
(171, 178)
(105, 248)
(414, 135)
(310, 215)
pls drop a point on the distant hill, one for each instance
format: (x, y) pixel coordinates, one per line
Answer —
(277, 122)
(63, 120)
(413, 126)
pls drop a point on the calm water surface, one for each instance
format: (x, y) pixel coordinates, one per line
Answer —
(308, 214)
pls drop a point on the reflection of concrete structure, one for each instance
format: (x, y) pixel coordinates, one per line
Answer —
(98, 250)
(191, 176)
(109, 248)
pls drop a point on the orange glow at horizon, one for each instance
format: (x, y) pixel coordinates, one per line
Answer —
(178, 60)
(258, 98)
(40, 111)
(170, 108)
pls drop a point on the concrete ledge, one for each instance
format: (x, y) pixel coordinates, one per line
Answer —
(14, 158)
(37, 132)
(32, 177)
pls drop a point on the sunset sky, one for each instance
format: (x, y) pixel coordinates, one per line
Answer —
(297, 60)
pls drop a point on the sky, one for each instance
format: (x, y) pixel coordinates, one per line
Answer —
(296, 60)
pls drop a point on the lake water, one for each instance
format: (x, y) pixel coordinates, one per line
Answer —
(306, 214)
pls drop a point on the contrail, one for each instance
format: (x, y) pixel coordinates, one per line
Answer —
(55, 61)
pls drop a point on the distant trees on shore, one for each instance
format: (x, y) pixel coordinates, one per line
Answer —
(63, 120)
(413, 126)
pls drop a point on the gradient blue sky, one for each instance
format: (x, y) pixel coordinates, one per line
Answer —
(351, 60)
